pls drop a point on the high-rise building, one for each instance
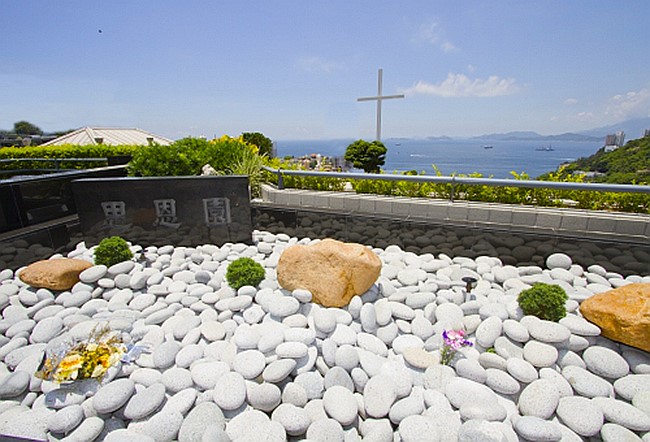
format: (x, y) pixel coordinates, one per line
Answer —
(614, 141)
(620, 138)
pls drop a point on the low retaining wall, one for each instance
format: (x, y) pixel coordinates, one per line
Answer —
(614, 226)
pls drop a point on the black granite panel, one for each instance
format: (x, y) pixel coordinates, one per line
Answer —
(21, 250)
(27, 201)
(181, 211)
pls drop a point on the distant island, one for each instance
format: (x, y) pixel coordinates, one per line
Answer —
(534, 136)
(633, 128)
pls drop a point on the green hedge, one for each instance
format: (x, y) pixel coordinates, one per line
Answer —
(187, 157)
(592, 200)
(302, 182)
(63, 151)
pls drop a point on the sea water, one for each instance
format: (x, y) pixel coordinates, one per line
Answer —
(459, 156)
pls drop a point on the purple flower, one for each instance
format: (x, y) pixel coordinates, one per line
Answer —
(453, 340)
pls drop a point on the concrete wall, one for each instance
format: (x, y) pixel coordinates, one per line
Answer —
(614, 226)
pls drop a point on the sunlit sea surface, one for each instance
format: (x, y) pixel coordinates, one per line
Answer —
(458, 156)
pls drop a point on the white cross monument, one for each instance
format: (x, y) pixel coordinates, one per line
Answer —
(379, 99)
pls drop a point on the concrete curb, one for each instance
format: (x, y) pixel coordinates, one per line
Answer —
(613, 226)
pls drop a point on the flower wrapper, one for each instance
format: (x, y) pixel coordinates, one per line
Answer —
(84, 359)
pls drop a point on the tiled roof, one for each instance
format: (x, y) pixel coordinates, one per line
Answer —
(108, 135)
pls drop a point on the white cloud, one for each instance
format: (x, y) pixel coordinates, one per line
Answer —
(570, 101)
(630, 105)
(317, 64)
(585, 116)
(434, 34)
(448, 46)
(460, 85)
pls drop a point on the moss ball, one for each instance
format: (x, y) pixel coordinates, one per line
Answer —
(546, 301)
(112, 250)
(244, 271)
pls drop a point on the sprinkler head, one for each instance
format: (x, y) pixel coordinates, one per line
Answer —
(469, 281)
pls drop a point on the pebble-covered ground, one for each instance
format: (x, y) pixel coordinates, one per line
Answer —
(266, 364)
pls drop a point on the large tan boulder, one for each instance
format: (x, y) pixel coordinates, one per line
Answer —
(623, 314)
(54, 274)
(331, 270)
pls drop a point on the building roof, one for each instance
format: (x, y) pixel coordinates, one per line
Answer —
(108, 135)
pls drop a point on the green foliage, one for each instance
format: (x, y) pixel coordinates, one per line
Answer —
(591, 200)
(301, 182)
(545, 301)
(263, 143)
(176, 159)
(367, 156)
(62, 152)
(628, 164)
(26, 128)
(112, 250)
(223, 153)
(249, 163)
(244, 271)
(187, 156)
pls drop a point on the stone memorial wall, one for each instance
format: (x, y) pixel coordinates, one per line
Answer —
(159, 211)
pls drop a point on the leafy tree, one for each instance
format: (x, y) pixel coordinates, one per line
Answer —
(365, 155)
(26, 128)
(263, 143)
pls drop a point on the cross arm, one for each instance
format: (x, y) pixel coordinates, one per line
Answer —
(383, 97)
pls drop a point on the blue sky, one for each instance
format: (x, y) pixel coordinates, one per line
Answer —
(293, 69)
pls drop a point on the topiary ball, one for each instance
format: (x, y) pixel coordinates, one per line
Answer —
(546, 301)
(244, 271)
(112, 250)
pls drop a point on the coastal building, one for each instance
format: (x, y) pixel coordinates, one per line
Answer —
(614, 141)
(109, 135)
(646, 133)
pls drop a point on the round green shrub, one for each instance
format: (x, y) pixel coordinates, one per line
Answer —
(244, 271)
(546, 301)
(182, 157)
(112, 250)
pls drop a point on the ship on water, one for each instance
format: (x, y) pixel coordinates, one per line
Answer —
(548, 148)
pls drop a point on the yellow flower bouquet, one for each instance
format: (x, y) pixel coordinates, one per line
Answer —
(85, 359)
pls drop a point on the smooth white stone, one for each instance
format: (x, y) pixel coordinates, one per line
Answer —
(605, 362)
(230, 391)
(540, 398)
(340, 404)
(581, 415)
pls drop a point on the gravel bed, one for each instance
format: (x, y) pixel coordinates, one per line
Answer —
(267, 364)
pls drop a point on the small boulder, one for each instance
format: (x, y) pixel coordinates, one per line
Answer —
(331, 270)
(54, 274)
(623, 314)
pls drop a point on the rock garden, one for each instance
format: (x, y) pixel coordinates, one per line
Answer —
(329, 342)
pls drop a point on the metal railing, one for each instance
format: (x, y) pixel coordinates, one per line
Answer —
(454, 181)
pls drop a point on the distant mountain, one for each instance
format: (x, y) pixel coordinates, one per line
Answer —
(633, 129)
(534, 136)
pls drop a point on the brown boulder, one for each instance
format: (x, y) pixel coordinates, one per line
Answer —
(54, 274)
(331, 270)
(623, 314)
